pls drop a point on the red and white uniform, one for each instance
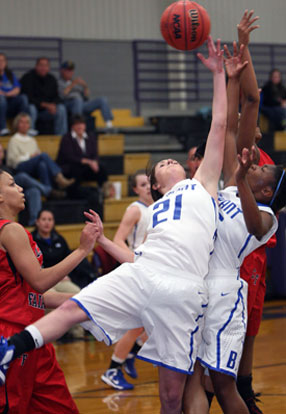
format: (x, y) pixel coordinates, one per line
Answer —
(35, 383)
(253, 271)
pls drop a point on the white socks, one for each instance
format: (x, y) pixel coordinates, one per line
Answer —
(36, 335)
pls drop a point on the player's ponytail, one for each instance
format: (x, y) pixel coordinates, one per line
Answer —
(150, 172)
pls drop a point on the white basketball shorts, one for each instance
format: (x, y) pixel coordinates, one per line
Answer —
(225, 325)
(168, 304)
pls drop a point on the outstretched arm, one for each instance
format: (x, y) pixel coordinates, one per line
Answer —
(14, 239)
(210, 169)
(234, 68)
(121, 254)
(257, 222)
(248, 84)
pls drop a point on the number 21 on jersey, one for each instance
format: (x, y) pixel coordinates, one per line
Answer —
(162, 210)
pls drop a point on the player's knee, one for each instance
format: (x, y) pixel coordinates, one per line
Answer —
(171, 398)
(224, 385)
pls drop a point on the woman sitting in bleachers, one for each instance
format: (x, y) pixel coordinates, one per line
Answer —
(11, 101)
(24, 155)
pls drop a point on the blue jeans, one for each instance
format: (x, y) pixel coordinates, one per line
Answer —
(78, 106)
(12, 106)
(41, 167)
(59, 119)
(276, 114)
(33, 190)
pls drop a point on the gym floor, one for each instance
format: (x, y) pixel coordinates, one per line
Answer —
(83, 363)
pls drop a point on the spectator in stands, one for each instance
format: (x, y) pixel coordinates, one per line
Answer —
(75, 93)
(78, 155)
(41, 87)
(273, 100)
(11, 101)
(33, 189)
(55, 248)
(24, 155)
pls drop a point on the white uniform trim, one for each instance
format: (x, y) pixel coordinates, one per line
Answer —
(138, 233)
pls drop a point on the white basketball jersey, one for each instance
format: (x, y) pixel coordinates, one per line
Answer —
(137, 235)
(233, 241)
(181, 230)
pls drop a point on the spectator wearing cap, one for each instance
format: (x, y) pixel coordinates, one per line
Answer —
(75, 93)
(41, 88)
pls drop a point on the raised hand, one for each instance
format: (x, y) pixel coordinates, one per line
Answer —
(245, 27)
(233, 64)
(88, 237)
(95, 219)
(245, 160)
(214, 62)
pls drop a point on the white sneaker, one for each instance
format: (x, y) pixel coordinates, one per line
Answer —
(33, 132)
(115, 378)
(5, 131)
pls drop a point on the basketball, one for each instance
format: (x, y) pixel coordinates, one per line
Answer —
(185, 25)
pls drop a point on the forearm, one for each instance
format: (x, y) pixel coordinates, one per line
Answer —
(210, 169)
(232, 105)
(230, 158)
(48, 277)
(119, 253)
(13, 92)
(251, 213)
(121, 243)
(248, 81)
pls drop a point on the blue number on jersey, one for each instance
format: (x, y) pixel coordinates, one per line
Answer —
(165, 205)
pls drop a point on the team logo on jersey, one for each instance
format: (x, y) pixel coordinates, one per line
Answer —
(23, 358)
(36, 300)
(228, 207)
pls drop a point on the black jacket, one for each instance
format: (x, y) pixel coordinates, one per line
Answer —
(40, 89)
(57, 250)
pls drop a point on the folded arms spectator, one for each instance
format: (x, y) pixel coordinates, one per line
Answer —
(41, 87)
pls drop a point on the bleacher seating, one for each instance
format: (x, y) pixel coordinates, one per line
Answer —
(110, 147)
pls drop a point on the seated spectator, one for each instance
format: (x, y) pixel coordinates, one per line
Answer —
(11, 101)
(273, 100)
(41, 88)
(24, 155)
(33, 189)
(75, 93)
(78, 155)
(55, 248)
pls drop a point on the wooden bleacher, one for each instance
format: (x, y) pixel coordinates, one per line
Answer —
(280, 141)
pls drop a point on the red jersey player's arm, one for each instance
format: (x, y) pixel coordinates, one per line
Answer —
(15, 241)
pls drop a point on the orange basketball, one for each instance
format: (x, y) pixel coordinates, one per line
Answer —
(185, 25)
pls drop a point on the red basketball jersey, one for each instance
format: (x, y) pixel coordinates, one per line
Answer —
(20, 303)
